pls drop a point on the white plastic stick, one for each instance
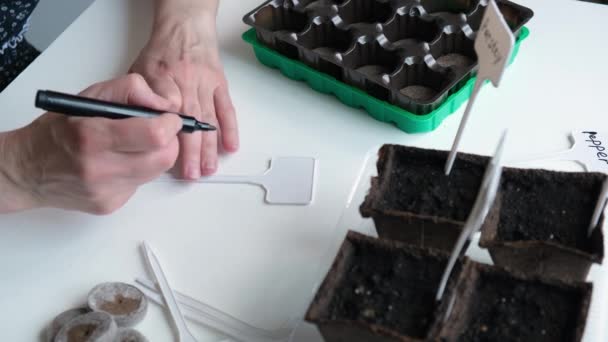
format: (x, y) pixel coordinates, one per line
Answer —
(216, 319)
(483, 203)
(599, 207)
(463, 124)
(228, 179)
(169, 297)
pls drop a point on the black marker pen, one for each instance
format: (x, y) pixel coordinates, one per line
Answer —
(81, 106)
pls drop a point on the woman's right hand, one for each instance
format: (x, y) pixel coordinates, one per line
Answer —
(88, 164)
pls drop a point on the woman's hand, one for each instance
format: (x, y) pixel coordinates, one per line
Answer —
(89, 164)
(181, 63)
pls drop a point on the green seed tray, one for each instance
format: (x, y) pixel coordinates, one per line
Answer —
(354, 97)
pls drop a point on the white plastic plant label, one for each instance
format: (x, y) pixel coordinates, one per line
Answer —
(589, 149)
(288, 180)
(493, 45)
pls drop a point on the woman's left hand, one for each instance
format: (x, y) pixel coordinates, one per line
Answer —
(181, 63)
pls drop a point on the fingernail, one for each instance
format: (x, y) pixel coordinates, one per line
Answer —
(192, 171)
(210, 167)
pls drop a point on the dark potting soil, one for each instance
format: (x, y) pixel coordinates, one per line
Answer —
(548, 206)
(506, 309)
(413, 180)
(394, 289)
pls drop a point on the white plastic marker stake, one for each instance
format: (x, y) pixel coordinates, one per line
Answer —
(213, 318)
(493, 46)
(485, 199)
(184, 335)
(288, 180)
(599, 207)
(589, 149)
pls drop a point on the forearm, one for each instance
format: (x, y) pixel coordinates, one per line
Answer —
(13, 194)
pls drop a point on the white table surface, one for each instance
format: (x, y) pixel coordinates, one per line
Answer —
(222, 244)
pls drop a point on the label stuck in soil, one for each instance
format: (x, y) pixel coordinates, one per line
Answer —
(493, 44)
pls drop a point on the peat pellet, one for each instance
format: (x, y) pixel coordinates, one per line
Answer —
(130, 335)
(62, 319)
(125, 303)
(90, 327)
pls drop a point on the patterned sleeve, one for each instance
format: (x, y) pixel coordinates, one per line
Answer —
(14, 17)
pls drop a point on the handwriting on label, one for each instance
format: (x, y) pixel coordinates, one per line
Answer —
(596, 145)
(491, 42)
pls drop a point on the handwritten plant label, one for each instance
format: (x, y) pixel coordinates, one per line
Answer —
(594, 151)
(493, 45)
(593, 154)
(589, 149)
